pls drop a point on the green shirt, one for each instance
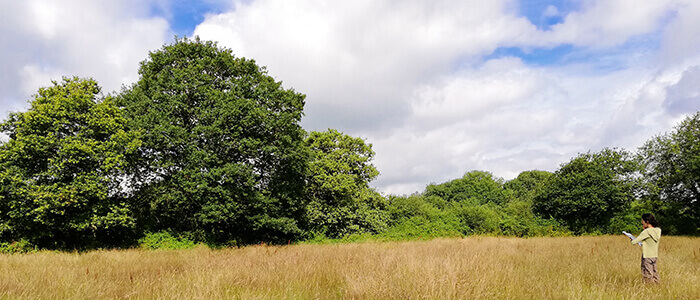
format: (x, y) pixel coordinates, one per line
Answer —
(650, 242)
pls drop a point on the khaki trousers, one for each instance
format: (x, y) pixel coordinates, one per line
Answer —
(649, 272)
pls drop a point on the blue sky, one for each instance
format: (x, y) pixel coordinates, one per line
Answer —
(438, 87)
(537, 56)
(545, 13)
(183, 15)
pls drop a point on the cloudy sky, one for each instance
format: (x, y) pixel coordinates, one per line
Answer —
(438, 87)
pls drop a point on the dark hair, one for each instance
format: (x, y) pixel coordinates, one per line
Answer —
(649, 218)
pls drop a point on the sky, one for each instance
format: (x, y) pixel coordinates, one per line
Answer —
(438, 87)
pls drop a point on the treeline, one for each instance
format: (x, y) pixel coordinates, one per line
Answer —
(206, 147)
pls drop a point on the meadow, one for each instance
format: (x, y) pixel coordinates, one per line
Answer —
(588, 267)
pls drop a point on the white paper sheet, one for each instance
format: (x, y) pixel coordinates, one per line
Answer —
(631, 237)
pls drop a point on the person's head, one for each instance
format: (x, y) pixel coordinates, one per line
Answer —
(648, 220)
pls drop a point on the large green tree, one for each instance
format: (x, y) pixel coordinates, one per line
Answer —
(223, 156)
(588, 191)
(60, 170)
(341, 201)
(672, 168)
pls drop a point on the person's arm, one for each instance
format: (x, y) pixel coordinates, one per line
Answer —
(642, 236)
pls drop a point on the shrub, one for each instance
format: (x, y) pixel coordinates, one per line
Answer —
(480, 219)
(165, 240)
(21, 246)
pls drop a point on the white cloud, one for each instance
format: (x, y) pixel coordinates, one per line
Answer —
(472, 93)
(32, 77)
(606, 23)
(680, 44)
(551, 11)
(504, 117)
(45, 40)
(362, 57)
(684, 96)
(412, 77)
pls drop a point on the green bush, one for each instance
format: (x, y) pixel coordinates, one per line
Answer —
(628, 221)
(364, 214)
(479, 219)
(165, 240)
(518, 219)
(402, 208)
(419, 216)
(437, 225)
(21, 246)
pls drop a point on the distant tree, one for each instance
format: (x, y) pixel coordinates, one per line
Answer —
(341, 201)
(60, 170)
(528, 184)
(588, 191)
(672, 168)
(418, 216)
(223, 156)
(519, 218)
(475, 187)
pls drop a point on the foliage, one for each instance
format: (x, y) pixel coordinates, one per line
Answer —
(419, 216)
(223, 155)
(60, 169)
(672, 169)
(341, 201)
(402, 208)
(443, 224)
(207, 147)
(340, 165)
(165, 240)
(627, 220)
(430, 216)
(588, 191)
(528, 184)
(476, 187)
(478, 219)
(21, 246)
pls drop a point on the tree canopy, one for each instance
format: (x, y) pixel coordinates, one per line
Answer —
(60, 171)
(528, 184)
(223, 156)
(589, 190)
(672, 167)
(475, 187)
(341, 201)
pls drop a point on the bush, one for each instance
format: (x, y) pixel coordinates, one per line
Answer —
(438, 225)
(21, 246)
(366, 213)
(519, 220)
(480, 219)
(165, 240)
(624, 222)
(419, 216)
(402, 208)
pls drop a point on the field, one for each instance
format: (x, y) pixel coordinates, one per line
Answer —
(604, 267)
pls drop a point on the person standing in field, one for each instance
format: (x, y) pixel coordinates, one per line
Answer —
(650, 247)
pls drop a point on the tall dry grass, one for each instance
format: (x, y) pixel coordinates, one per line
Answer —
(471, 268)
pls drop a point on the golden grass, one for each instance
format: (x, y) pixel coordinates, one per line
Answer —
(604, 267)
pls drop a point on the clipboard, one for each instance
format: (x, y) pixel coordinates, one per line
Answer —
(631, 237)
